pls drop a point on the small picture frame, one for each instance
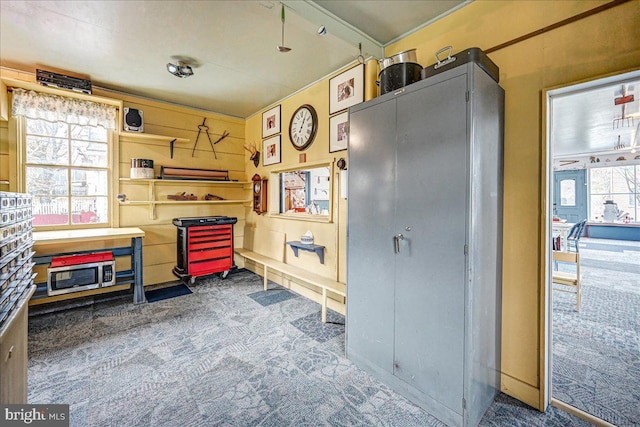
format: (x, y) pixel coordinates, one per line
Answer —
(346, 89)
(271, 121)
(338, 132)
(271, 153)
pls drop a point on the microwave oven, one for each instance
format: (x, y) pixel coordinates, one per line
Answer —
(74, 273)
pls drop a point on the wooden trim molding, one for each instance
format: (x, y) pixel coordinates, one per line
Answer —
(559, 24)
(520, 390)
(580, 414)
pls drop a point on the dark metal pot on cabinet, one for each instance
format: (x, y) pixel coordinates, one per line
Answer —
(397, 76)
(398, 58)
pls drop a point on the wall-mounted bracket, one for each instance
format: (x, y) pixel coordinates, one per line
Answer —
(318, 249)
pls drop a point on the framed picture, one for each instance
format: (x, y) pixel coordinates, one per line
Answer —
(271, 121)
(346, 89)
(271, 153)
(338, 132)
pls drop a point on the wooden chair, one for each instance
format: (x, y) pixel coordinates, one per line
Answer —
(569, 279)
(573, 238)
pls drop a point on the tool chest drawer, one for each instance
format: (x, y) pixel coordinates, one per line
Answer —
(210, 254)
(210, 266)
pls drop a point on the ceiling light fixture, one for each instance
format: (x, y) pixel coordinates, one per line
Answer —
(182, 69)
(322, 31)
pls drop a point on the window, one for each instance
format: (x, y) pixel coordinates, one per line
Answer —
(305, 191)
(620, 184)
(568, 192)
(302, 193)
(66, 169)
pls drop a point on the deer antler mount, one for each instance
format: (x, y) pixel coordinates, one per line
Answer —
(255, 154)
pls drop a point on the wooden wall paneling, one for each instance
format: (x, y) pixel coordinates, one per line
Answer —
(158, 273)
(134, 191)
(4, 152)
(200, 190)
(136, 216)
(177, 116)
(41, 273)
(160, 154)
(139, 215)
(139, 190)
(159, 151)
(4, 102)
(158, 234)
(125, 170)
(159, 254)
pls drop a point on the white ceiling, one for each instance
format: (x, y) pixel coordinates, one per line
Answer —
(385, 21)
(586, 120)
(125, 45)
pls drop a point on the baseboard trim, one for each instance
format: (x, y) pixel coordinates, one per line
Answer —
(522, 391)
(580, 414)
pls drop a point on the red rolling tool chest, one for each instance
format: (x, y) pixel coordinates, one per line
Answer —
(204, 246)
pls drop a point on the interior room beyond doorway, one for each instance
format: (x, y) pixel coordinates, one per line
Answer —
(594, 213)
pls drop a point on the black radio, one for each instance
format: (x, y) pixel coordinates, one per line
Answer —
(48, 78)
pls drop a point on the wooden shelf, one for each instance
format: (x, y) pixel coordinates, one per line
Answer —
(153, 198)
(178, 202)
(182, 181)
(150, 137)
(310, 247)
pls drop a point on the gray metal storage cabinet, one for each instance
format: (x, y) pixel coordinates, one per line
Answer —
(425, 241)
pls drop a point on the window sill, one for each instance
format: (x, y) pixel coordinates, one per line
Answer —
(302, 217)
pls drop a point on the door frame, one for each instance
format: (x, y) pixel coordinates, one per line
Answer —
(545, 254)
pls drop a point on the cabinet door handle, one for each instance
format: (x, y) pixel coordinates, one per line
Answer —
(396, 240)
(9, 354)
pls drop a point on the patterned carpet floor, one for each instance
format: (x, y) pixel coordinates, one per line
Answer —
(229, 354)
(596, 352)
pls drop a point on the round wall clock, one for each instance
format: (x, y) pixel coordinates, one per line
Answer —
(303, 127)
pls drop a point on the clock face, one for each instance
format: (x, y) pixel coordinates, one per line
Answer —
(303, 127)
(256, 187)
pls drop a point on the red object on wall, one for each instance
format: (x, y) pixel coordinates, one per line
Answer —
(623, 100)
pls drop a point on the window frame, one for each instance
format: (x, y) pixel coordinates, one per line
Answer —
(275, 190)
(112, 220)
(636, 167)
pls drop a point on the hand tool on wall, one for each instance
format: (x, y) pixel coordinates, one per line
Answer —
(204, 127)
(171, 147)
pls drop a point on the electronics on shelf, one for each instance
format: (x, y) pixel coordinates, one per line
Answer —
(51, 79)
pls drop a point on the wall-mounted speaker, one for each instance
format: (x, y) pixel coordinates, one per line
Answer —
(133, 120)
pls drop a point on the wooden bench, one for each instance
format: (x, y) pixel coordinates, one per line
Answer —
(277, 241)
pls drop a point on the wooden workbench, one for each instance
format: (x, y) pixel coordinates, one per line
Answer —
(69, 237)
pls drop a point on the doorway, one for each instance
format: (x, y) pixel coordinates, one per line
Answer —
(592, 163)
(569, 195)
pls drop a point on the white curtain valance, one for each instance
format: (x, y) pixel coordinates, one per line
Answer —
(54, 108)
